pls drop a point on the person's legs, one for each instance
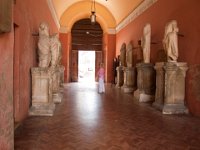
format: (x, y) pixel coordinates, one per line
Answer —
(101, 86)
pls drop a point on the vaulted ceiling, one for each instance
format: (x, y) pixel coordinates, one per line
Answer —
(109, 12)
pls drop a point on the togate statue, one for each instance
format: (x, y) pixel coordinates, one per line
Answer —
(146, 43)
(123, 55)
(44, 45)
(170, 41)
(55, 50)
(129, 55)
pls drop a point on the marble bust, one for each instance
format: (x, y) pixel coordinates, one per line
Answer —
(44, 45)
(129, 55)
(123, 55)
(170, 41)
(55, 50)
(146, 43)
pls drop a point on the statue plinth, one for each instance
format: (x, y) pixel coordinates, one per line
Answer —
(42, 102)
(145, 82)
(175, 74)
(57, 96)
(160, 86)
(129, 79)
(120, 76)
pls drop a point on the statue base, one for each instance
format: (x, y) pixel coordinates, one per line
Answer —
(129, 79)
(42, 110)
(143, 98)
(57, 97)
(175, 109)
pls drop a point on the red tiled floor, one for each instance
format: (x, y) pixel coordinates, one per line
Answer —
(86, 120)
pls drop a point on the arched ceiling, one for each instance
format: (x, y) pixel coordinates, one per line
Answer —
(110, 12)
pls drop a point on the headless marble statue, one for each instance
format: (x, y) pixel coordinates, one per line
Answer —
(55, 50)
(129, 55)
(170, 41)
(146, 43)
(123, 55)
(44, 45)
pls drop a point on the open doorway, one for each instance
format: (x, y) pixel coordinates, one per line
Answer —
(86, 66)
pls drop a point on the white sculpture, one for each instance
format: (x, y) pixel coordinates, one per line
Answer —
(146, 43)
(123, 55)
(44, 45)
(170, 41)
(55, 50)
(129, 55)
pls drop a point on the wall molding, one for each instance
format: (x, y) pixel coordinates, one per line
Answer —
(138, 11)
(53, 13)
(63, 29)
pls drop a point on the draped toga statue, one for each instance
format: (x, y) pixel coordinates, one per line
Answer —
(129, 55)
(44, 45)
(146, 43)
(55, 50)
(123, 55)
(170, 41)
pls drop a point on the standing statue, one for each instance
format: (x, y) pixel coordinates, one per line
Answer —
(44, 45)
(55, 50)
(129, 55)
(146, 43)
(170, 41)
(123, 55)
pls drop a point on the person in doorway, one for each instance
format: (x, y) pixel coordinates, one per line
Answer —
(101, 75)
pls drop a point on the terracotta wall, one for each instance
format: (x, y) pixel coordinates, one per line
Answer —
(17, 56)
(187, 15)
(27, 17)
(111, 47)
(6, 91)
(65, 40)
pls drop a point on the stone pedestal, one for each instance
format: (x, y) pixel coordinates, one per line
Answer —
(175, 88)
(120, 76)
(129, 79)
(57, 96)
(42, 102)
(160, 86)
(146, 82)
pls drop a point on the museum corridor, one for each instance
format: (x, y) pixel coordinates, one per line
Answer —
(86, 120)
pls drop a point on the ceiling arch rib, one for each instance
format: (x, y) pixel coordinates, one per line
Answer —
(82, 10)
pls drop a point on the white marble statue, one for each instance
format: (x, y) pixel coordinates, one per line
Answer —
(44, 45)
(123, 55)
(129, 55)
(55, 50)
(170, 41)
(146, 43)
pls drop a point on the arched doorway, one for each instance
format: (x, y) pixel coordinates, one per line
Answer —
(85, 37)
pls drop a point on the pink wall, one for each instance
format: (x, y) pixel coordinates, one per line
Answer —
(187, 15)
(17, 56)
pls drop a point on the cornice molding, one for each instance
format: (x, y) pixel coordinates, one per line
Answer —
(111, 31)
(53, 13)
(138, 11)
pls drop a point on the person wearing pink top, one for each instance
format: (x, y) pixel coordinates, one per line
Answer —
(101, 75)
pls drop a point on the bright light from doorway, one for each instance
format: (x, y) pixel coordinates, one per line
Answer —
(86, 66)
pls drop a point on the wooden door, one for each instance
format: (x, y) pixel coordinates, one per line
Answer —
(74, 66)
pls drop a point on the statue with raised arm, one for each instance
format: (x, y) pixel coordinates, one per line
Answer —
(123, 55)
(55, 50)
(129, 55)
(44, 45)
(170, 41)
(146, 43)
